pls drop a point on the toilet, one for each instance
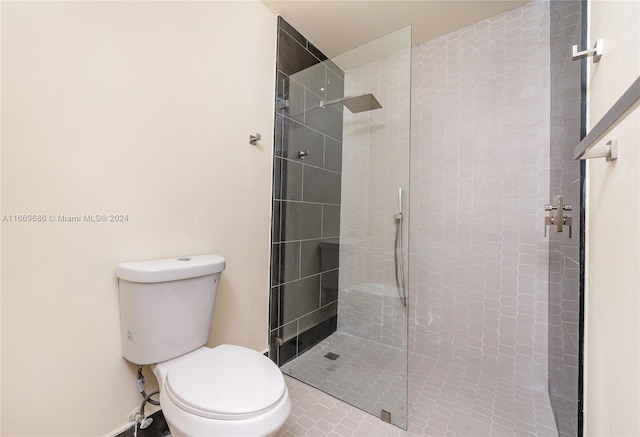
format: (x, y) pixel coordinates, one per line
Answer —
(166, 307)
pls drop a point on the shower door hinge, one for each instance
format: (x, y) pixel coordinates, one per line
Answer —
(385, 416)
(282, 104)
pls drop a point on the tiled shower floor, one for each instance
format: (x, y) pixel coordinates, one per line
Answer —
(444, 399)
(368, 374)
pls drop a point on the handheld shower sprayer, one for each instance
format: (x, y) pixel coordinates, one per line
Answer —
(397, 253)
(398, 216)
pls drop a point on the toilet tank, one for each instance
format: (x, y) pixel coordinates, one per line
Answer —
(166, 306)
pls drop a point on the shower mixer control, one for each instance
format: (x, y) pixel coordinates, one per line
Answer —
(560, 220)
(303, 153)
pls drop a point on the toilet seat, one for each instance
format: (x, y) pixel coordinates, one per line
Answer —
(227, 382)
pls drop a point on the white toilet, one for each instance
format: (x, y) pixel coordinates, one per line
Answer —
(166, 308)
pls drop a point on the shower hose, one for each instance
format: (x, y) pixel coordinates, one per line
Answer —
(399, 264)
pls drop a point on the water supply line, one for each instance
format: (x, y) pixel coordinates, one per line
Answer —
(141, 388)
(141, 419)
(145, 421)
(397, 254)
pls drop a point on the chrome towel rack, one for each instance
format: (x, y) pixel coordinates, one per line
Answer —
(587, 149)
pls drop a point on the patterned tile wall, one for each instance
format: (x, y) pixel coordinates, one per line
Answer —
(479, 181)
(375, 166)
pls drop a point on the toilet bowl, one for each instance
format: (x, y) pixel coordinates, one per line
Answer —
(225, 391)
(166, 308)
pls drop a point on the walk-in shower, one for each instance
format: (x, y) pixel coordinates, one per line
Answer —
(487, 340)
(341, 178)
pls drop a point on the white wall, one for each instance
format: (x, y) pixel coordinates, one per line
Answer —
(612, 340)
(142, 109)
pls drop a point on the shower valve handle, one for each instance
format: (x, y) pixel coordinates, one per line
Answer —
(560, 220)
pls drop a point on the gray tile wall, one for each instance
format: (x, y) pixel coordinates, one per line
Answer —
(307, 196)
(480, 172)
(564, 259)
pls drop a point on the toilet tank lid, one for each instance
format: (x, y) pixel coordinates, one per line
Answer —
(170, 269)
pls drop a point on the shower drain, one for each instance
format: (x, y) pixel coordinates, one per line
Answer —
(332, 356)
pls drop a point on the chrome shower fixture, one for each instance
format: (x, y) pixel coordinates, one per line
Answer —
(355, 104)
(397, 254)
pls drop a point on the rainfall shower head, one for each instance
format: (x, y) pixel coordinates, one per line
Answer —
(359, 103)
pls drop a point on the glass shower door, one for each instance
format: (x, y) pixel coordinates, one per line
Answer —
(342, 177)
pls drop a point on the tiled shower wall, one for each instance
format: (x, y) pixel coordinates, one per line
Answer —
(564, 261)
(375, 166)
(480, 172)
(306, 197)
(479, 183)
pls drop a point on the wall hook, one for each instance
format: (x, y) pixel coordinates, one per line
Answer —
(253, 139)
(596, 52)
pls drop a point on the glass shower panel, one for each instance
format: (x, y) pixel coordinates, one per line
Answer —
(564, 248)
(344, 222)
